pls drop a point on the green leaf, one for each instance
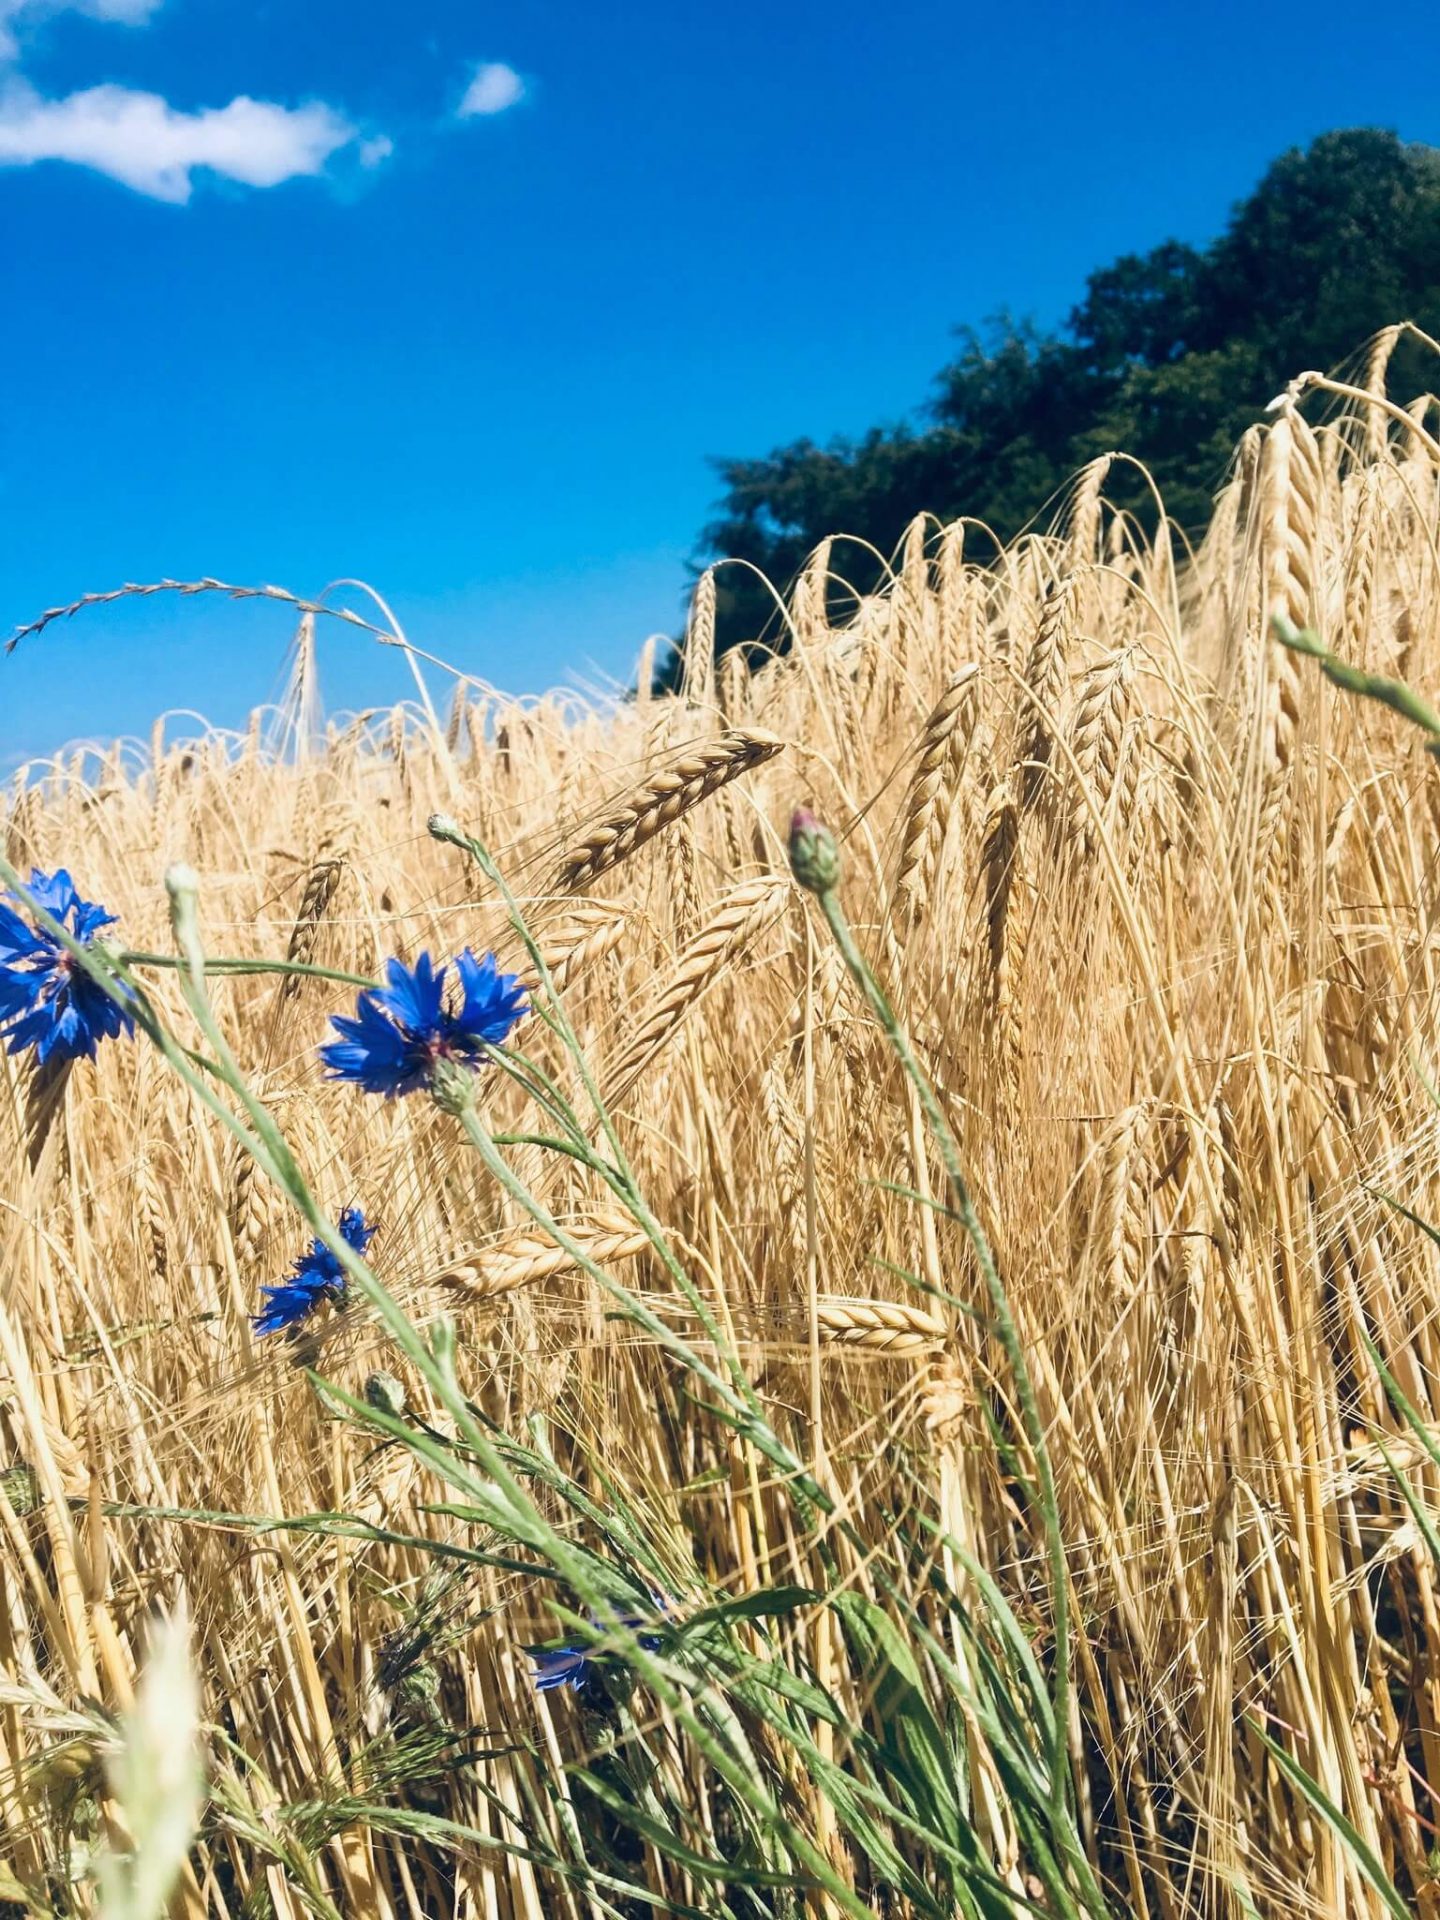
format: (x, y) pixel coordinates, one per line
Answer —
(1395, 694)
(770, 1603)
(1323, 1805)
(671, 1846)
(1430, 1231)
(916, 1753)
(777, 1678)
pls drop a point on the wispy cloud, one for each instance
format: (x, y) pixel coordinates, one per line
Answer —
(140, 139)
(131, 13)
(493, 88)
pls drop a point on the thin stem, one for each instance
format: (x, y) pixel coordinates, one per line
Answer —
(619, 1177)
(245, 964)
(1005, 1328)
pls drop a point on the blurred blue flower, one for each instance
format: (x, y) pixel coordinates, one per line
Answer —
(400, 1032)
(577, 1666)
(560, 1667)
(47, 1000)
(316, 1276)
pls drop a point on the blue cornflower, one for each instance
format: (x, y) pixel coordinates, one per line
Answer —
(47, 1000)
(560, 1667)
(316, 1276)
(400, 1033)
(576, 1667)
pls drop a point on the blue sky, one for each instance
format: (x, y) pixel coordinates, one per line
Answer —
(458, 298)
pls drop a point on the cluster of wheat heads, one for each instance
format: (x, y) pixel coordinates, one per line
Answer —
(1156, 905)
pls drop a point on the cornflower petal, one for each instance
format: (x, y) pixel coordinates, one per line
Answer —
(47, 1002)
(402, 1031)
(20, 987)
(353, 1230)
(317, 1275)
(414, 1001)
(375, 1053)
(286, 1306)
(17, 941)
(493, 1002)
(55, 892)
(560, 1667)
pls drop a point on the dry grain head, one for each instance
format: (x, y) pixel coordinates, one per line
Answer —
(650, 808)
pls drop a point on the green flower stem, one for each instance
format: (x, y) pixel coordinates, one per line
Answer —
(617, 1176)
(262, 1139)
(1004, 1321)
(503, 1501)
(245, 964)
(738, 1409)
(1395, 694)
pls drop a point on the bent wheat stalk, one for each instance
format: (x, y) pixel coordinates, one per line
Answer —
(575, 947)
(748, 911)
(526, 1258)
(661, 800)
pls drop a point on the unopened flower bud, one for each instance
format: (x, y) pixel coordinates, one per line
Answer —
(814, 854)
(452, 1087)
(384, 1392)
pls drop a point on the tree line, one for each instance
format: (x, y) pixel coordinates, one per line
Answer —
(1169, 357)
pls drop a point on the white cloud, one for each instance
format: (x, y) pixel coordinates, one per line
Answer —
(494, 88)
(141, 140)
(130, 13)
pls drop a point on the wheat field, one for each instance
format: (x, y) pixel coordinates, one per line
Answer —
(1155, 904)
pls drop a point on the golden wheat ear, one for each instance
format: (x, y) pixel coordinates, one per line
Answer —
(660, 801)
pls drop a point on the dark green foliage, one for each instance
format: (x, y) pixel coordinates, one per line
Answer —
(1170, 356)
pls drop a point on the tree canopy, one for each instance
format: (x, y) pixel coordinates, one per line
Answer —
(1170, 356)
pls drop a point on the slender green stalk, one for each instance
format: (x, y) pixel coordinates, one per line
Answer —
(816, 861)
(1395, 694)
(500, 1501)
(244, 964)
(619, 1175)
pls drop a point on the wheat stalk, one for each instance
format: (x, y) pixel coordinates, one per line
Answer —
(1005, 931)
(151, 1217)
(1377, 363)
(746, 914)
(1084, 528)
(787, 1146)
(928, 803)
(527, 1258)
(660, 801)
(138, 590)
(1045, 683)
(700, 641)
(1096, 738)
(1288, 486)
(249, 1210)
(44, 1105)
(1289, 502)
(1122, 1211)
(879, 1326)
(576, 946)
(321, 884)
(684, 879)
